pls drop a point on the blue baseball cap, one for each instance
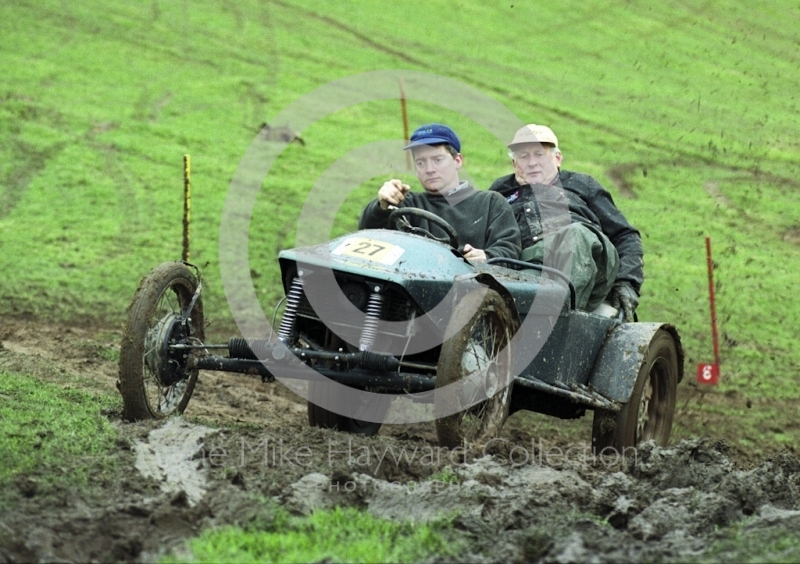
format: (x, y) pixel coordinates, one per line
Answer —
(434, 134)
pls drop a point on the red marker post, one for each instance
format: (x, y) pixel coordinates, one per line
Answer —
(709, 373)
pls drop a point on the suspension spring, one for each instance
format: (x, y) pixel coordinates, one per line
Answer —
(255, 349)
(370, 330)
(286, 329)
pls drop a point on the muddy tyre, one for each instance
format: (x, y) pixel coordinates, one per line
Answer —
(649, 412)
(154, 380)
(320, 417)
(478, 356)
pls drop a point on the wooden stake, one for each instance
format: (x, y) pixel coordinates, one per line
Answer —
(405, 121)
(187, 205)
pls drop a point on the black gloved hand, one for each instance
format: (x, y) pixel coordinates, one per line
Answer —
(623, 296)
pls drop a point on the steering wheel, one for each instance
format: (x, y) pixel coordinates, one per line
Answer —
(396, 221)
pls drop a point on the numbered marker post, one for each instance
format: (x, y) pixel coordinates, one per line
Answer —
(709, 373)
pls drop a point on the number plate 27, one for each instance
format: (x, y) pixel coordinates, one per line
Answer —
(369, 249)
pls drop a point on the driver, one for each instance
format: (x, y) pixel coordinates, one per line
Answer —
(484, 221)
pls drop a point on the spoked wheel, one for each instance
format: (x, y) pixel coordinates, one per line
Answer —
(649, 412)
(153, 378)
(318, 416)
(478, 357)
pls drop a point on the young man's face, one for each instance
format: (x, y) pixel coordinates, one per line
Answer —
(436, 168)
(535, 163)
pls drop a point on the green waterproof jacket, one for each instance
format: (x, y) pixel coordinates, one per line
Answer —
(483, 219)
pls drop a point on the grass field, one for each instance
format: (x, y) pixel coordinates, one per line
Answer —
(30, 442)
(687, 112)
(340, 535)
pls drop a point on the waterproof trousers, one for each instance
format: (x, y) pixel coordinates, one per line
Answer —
(585, 254)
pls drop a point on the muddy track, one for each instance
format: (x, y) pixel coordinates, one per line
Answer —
(523, 499)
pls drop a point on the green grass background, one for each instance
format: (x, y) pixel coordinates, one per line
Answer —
(51, 456)
(100, 100)
(693, 105)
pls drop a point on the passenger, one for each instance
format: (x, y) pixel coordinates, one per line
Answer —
(483, 220)
(606, 251)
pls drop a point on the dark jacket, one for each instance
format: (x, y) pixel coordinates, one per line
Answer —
(587, 202)
(482, 219)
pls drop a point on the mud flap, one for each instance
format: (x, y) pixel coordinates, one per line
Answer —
(618, 363)
(489, 281)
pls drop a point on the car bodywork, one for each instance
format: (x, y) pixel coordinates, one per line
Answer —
(373, 310)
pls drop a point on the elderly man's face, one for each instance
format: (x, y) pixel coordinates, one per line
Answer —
(535, 163)
(436, 168)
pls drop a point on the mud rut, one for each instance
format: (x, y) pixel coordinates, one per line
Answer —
(242, 441)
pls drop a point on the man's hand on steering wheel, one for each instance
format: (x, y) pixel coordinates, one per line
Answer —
(474, 255)
(392, 193)
(397, 220)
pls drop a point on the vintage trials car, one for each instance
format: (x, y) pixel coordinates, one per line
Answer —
(412, 316)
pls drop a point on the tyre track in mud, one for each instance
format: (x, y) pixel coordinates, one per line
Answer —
(417, 55)
(732, 161)
(520, 502)
(28, 162)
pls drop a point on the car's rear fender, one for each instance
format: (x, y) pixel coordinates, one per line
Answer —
(617, 365)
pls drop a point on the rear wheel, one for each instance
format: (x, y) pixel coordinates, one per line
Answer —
(478, 355)
(153, 378)
(649, 412)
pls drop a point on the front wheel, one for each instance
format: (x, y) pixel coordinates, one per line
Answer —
(476, 356)
(649, 412)
(154, 379)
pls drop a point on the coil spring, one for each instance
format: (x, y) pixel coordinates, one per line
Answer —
(254, 350)
(370, 330)
(286, 329)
